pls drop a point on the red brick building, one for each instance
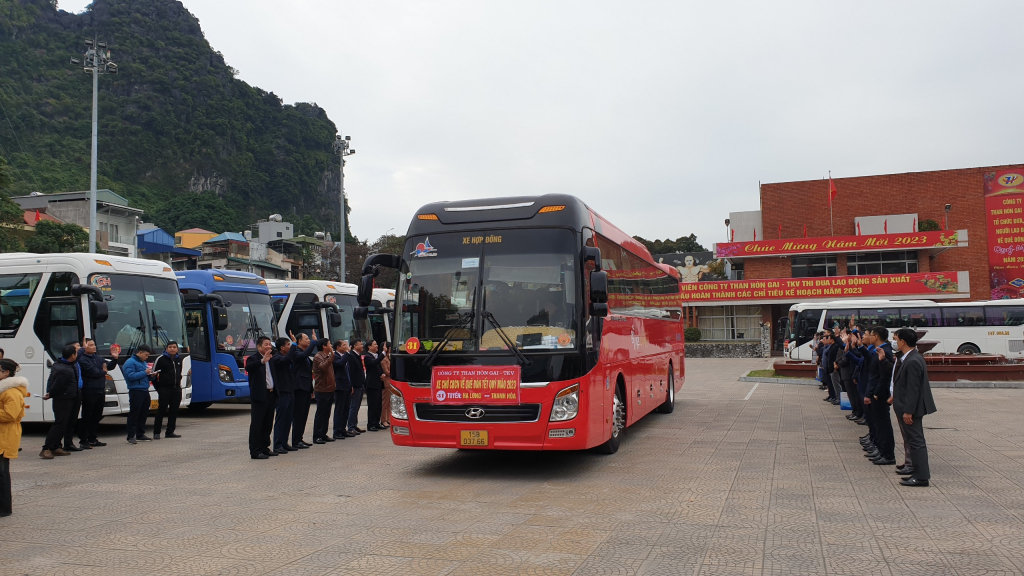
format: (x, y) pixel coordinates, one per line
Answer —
(886, 213)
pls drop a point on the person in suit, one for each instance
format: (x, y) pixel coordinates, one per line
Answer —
(263, 398)
(357, 376)
(302, 374)
(878, 361)
(912, 400)
(342, 391)
(323, 388)
(374, 386)
(281, 364)
(93, 368)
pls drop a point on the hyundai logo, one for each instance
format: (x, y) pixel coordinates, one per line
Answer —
(475, 413)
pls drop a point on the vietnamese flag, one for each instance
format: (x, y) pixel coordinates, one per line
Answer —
(832, 192)
(885, 226)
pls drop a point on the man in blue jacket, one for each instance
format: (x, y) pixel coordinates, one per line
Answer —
(137, 375)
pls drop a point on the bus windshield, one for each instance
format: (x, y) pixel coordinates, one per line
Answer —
(249, 317)
(483, 289)
(350, 327)
(142, 310)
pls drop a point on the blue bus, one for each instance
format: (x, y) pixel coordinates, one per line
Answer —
(225, 312)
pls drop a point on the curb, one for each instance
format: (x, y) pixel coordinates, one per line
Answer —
(957, 384)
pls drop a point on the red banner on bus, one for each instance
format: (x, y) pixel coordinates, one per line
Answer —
(875, 242)
(1004, 209)
(928, 284)
(475, 385)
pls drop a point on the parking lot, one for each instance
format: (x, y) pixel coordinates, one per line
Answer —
(735, 481)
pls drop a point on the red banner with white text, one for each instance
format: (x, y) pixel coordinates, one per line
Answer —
(475, 385)
(926, 285)
(876, 242)
(1004, 210)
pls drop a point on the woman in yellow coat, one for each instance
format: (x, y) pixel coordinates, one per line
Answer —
(13, 391)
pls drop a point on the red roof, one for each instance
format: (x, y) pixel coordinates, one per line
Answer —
(33, 216)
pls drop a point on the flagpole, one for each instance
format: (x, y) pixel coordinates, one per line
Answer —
(831, 227)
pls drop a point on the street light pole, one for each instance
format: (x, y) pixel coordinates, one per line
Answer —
(341, 148)
(97, 61)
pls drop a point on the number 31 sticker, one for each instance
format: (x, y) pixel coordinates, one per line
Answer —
(412, 345)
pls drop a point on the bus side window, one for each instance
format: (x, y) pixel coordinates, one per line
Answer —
(59, 320)
(195, 325)
(278, 303)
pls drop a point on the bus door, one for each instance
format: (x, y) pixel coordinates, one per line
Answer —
(199, 347)
(58, 323)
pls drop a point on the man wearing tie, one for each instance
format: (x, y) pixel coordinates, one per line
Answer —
(263, 397)
(912, 400)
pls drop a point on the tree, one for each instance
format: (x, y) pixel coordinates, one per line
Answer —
(52, 237)
(681, 244)
(195, 210)
(928, 225)
(11, 214)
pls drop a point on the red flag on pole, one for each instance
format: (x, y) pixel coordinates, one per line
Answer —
(755, 234)
(915, 224)
(732, 236)
(858, 228)
(885, 226)
(832, 192)
(780, 231)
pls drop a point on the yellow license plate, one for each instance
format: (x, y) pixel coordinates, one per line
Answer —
(474, 437)
(154, 404)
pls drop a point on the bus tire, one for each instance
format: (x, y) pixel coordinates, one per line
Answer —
(618, 421)
(199, 406)
(968, 349)
(670, 398)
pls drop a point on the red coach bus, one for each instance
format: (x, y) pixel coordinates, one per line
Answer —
(527, 323)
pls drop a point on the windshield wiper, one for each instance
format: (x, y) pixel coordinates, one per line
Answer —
(462, 323)
(251, 333)
(159, 331)
(508, 341)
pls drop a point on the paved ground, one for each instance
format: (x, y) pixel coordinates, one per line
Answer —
(733, 482)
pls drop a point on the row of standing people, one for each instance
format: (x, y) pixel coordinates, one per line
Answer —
(288, 376)
(862, 364)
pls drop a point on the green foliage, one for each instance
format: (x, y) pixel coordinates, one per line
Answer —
(681, 244)
(51, 237)
(11, 214)
(692, 334)
(928, 225)
(173, 120)
(194, 210)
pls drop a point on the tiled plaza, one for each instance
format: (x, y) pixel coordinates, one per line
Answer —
(733, 482)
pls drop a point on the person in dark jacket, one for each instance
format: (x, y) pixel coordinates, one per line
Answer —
(912, 401)
(302, 375)
(342, 390)
(61, 389)
(93, 369)
(168, 387)
(357, 376)
(281, 364)
(76, 408)
(879, 363)
(374, 386)
(263, 399)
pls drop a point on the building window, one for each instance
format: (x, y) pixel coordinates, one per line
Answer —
(280, 234)
(729, 322)
(177, 240)
(814, 266)
(882, 263)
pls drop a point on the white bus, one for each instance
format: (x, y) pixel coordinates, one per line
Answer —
(307, 305)
(382, 316)
(50, 300)
(992, 327)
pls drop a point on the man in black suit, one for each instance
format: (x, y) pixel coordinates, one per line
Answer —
(342, 391)
(912, 400)
(281, 364)
(374, 387)
(357, 376)
(878, 370)
(263, 397)
(302, 373)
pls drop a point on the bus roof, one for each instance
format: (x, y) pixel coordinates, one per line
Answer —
(519, 211)
(319, 287)
(207, 281)
(840, 304)
(86, 264)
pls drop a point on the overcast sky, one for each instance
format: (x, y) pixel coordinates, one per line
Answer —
(662, 116)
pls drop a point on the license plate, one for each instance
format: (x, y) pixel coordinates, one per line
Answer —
(474, 437)
(154, 404)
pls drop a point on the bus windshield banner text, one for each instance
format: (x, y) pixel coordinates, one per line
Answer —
(475, 385)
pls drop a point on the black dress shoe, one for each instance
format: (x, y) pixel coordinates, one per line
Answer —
(288, 448)
(865, 437)
(270, 453)
(354, 431)
(372, 428)
(172, 435)
(851, 416)
(340, 436)
(97, 443)
(884, 462)
(327, 439)
(904, 471)
(259, 456)
(302, 446)
(85, 446)
(72, 448)
(359, 430)
(913, 482)
(829, 399)
(278, 452)
(318, 441)
(874, 454)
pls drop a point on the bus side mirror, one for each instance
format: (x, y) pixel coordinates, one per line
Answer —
(334, 318)
(592, 254)
(599, 287)
(377, 260)
(361, 312)
(598, 310)
(365, 294)
(98, 312)
(220, 317)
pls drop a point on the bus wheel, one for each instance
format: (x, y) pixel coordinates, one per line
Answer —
(670, 399)
(199, 406)
(618, 424)
(968, 349)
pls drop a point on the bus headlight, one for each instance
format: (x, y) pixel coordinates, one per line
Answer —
(108, 385)
(226, 375)
(398, 411)
(566, 405)
(188, 379)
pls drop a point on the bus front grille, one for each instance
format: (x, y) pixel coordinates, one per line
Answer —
(461, 413)
(1016, 346)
